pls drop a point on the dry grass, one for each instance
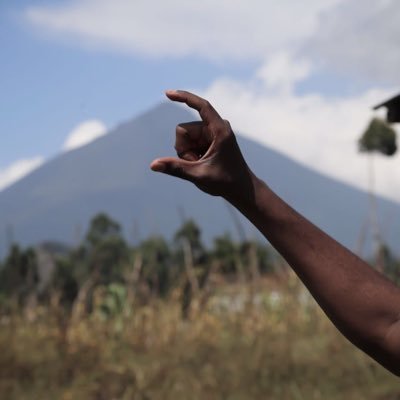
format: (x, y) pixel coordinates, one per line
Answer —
(274, 344)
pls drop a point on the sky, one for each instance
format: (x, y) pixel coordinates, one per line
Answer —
(299, 77)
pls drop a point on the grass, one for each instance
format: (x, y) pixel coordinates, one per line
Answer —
(273, 344)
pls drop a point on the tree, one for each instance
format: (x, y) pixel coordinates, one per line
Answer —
(19, 276)
(255, 252)
(225, 251)
(379, 137)
(190, 233)
(192, 252)
(99, 260)
(156, 269)
(106, 249)
(101, 228)
(65, 282)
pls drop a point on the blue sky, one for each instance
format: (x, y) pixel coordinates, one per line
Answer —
(47, 87)
(289, 75)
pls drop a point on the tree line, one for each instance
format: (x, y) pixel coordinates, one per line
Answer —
(152, 269)
(105, 263)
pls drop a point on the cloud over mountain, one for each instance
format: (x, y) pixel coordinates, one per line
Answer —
(17, 170)
(289, 44)
(84, 133)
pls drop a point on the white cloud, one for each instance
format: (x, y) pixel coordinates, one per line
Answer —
(84, 133)
(81, 135)
(345, 35)
(361, 38)
(293, 39)
(17, 170)
(282, 71)
(320, 132)
(212, 29)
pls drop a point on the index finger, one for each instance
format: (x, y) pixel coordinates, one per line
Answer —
(206, 110)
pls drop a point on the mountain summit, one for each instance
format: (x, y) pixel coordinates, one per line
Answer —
(111, 174)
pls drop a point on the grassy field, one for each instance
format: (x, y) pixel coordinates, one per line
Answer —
(269, 342)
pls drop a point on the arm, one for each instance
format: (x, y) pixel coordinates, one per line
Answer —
(362, 303)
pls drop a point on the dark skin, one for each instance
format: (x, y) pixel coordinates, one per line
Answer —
(363, 304)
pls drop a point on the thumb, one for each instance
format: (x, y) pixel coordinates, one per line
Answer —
(173, 166)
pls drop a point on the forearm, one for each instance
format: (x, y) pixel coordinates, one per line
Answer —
(362, 303)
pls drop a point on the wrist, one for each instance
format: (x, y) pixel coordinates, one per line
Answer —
(243, 196)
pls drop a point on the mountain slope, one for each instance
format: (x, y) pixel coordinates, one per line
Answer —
(112, 174)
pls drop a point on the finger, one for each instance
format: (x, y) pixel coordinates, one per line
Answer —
(188, 155)
(192, 130)
(207, 112)
(187, 136)
(173, 166)
(192, 140)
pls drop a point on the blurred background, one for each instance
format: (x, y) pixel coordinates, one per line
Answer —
(118, 283)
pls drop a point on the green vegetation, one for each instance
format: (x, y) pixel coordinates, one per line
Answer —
(175, 320)
(378, 137)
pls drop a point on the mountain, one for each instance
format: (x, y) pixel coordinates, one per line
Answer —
(112, 174)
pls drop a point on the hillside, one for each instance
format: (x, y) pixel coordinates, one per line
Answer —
(112, 174)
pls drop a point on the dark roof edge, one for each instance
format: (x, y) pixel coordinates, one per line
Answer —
(387, 102)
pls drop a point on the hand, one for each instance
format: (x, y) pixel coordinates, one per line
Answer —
(208, 154)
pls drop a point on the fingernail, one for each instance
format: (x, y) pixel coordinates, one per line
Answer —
(171, 91)
(157, 167)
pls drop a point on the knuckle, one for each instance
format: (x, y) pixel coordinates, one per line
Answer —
(207, 104)
(207, 108)
(227, 124)
(222, 128)
(180, 130)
